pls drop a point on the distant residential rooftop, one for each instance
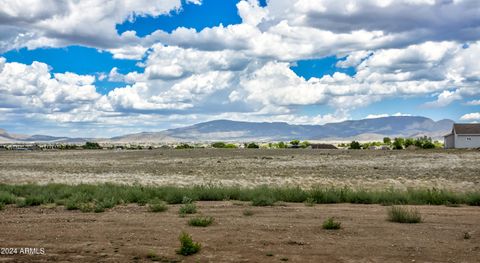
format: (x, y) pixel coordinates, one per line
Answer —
(466, 128)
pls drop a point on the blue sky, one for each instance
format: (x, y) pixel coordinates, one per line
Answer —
(153, 65)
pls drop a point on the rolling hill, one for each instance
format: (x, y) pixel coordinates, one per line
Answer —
(227, 130)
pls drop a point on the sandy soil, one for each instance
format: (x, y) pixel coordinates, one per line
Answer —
(455, 170)
(290, 232)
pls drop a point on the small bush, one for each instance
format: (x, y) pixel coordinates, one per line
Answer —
(404, 215)
(34, 200)
(99, 208)
(2, 206)
(187, 200)
(187, 246)
(309, 201)
(21, 202)
(7, 198)
(331, 224)
(202, 221)
(86, 207)
(187, 209)
(263, 201)
(158, 206)
(247, 212)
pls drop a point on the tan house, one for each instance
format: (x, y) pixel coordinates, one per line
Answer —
(463, 136)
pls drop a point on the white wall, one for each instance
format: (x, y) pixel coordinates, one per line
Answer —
(449, 141)
(462, 142)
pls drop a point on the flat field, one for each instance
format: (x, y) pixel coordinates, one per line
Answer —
(368, 169)
(283, 232)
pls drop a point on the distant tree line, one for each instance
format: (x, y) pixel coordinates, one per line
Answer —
(397, 143)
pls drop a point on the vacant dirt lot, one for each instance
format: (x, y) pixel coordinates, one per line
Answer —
(455, 170)
(290, 232)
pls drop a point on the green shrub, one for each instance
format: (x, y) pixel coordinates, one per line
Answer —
(99, 208)
(202, 221)
(86, 207)
(263, 201)
(403, 215)
(91, 146)
(331, 224)
(7, 198)
(20, 202)
(309, 201)
(157, 206)
(184, 146)
(2, 206)
(35, 200)
(252, 145)
(473, 199)
(187, 246)
(218, 145)
(187, 209)
(355, 145)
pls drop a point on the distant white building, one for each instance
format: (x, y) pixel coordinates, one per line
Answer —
(463, 136)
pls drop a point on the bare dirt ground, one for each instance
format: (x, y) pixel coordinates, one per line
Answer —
(291, 232)
(455, 170)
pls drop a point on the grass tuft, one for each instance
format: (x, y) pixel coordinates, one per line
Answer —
(401, 214)
(109, 195)
(187, 246)
(7, 198)
(263, 201)
(309, 201)
(157, 206)
(188, 209)
(331, 224)
(87, 207)
(202, 221)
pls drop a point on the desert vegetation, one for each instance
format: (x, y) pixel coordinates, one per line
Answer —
(397, 143)
(187, 245)
(201, 221)
(109, 195)
(402, 214)
(331, 224)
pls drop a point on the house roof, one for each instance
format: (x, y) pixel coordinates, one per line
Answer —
(470, 128)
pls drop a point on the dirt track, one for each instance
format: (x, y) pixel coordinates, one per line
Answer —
(291, 231)
(455, 170)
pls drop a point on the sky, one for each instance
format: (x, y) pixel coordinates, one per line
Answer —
(96, 68)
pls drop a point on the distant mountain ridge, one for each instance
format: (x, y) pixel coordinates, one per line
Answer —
(227, 130)
(404, 126)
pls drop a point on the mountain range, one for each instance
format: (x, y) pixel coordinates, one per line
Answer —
(226, 130)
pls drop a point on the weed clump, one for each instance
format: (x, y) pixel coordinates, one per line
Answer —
(157, 206)
(187, 246)
(188, 207)
(263, 201)
(2, 206)
(7, 198)
(331, 224)
(86, 207)
(202, 221)
(309, 201)
(404, 215)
